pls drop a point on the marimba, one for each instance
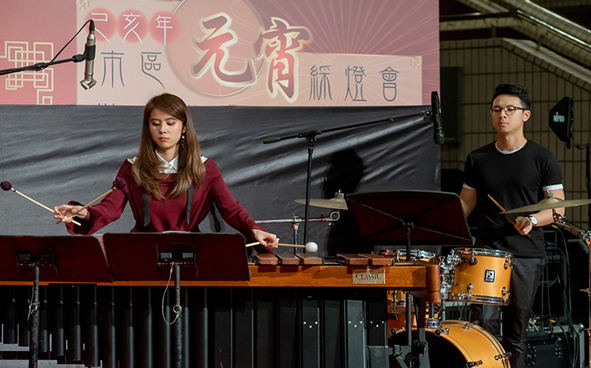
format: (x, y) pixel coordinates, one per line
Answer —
(284, 316)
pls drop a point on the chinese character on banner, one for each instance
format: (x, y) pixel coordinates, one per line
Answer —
(110, 58)
(389, 87)
(357, 74)
(149, 64)
(164, 27)
(163, 23)
(214, 52)
(279, 45)
(133, 22)
(101, 23)
(319, 89)
(105, 23)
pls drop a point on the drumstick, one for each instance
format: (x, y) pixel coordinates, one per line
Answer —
(119, 184)
(509, 216)
(7, 186)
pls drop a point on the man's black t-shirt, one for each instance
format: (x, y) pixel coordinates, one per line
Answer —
(514, 180)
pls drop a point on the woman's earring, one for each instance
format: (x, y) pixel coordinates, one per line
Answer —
(183, 141)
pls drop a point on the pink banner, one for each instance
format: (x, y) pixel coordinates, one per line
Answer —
(225, 52)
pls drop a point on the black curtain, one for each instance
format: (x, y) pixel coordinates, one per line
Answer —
(55, 154)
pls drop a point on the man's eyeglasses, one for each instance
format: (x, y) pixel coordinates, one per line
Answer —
(509, 110)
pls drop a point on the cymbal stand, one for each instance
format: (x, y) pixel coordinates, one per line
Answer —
(295, 222)
(310, 137)
(586, 237)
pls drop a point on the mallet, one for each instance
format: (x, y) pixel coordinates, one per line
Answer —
(310, 247)
(119, 184)
(7, 186)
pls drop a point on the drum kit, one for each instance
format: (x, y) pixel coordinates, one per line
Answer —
(468, 275)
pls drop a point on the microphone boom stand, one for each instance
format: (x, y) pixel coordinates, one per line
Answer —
(40, 66)
(311, 142)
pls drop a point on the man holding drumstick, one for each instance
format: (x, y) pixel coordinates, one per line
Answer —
(515, 172)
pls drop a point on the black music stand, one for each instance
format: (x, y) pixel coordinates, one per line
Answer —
(386, 218)
(193, 256)
(204, 257)
(394, 218)
(79, 259)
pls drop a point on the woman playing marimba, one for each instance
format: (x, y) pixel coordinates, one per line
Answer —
(170, 186)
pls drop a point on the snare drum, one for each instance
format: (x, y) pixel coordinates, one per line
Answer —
(481, 276)
(460, 344)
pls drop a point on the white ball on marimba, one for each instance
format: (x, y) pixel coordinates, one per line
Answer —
(311, 247)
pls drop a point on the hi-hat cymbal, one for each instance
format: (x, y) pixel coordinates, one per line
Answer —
(549, 204)
(333, 203)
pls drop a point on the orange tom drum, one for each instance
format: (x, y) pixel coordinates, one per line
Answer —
(481, 276)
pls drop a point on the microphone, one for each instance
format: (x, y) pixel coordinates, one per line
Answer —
(436, 117)
(89, 50)
(271, 140)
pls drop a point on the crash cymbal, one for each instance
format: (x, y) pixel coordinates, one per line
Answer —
(550, 203)
(336, 203)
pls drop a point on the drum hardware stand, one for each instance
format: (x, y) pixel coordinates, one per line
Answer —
(167, 260)
(585, 236)
(27, 261)
(432, 322)
(295, 222)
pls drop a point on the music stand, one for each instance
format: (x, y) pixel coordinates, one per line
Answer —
(79, 259)
(386, 218)
(141, 256)
(152, 256)
(394, 218)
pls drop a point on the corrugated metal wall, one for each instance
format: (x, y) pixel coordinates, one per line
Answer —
(489, 62)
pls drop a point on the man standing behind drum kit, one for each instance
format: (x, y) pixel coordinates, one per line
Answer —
(516, 172)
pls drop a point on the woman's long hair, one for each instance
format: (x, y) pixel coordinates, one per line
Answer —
(147, 166)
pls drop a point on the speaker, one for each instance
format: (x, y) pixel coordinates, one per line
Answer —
(545, 351)
(561, 120)
(450, 86)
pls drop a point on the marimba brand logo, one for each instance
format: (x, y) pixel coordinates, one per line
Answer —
(489, 275)
(369, 276)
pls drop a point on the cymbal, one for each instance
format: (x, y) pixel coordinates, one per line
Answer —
(333, 203)
(549, 204)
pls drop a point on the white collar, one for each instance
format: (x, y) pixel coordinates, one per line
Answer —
(170, 167)
(507, 152)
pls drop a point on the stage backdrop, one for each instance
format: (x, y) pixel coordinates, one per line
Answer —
(225, 52)
(55, 154)
(250, 69)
